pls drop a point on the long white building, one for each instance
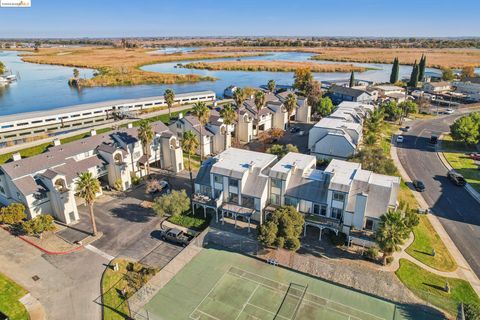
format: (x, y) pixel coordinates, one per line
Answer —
(68, 118)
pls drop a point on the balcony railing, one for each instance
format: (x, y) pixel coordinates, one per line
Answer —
(329, 222)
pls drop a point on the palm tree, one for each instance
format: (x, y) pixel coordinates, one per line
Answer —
(391, 233)
(239, 97)
(146, 134)
(87, 188)
(169, 97)
(271, 85)
(190, 145)
(201, 111)
(229, 117)
(290, 105)
(259, 103)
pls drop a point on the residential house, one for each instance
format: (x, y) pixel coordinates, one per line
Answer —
(470, 87)
(339, 94)
(45, 183)
(342, 198)
(338, 135)
(437, 87)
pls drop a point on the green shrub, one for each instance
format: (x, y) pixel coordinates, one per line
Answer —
(292, 243)
(371, 253)
(389, 260)
(39, 225)
(472, 311)
(13, 213)
(280, 242)
(338, 240)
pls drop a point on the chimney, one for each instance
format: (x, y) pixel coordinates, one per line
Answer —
(180, 115)
(56, 142)
(16, 156)
(130, 125)
(93, 132)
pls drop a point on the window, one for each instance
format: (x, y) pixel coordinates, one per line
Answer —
(217, 179)
(319, 209)
(248, 202)
(338, 196)
(233, 197)
(233, 182)
(179, 125)
(277, 183)
(291, 201)
(337, 213)
(275, 199)
(368, 224)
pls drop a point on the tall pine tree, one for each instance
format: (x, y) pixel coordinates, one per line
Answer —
(421, 68)
(395, 71)
(352, 80)
(414, 76)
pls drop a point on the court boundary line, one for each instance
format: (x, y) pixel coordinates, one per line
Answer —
(350, 316)
(368, 313)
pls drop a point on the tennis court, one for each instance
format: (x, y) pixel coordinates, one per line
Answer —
(221, 285)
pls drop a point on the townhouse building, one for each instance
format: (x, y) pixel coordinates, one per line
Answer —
(341, 198)
(339, 134)
(45, 183)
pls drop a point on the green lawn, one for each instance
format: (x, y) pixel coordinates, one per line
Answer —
(465, 166)
(194, 222)
(10, 293)
(427, 239)
(430, 287)
(113, 282)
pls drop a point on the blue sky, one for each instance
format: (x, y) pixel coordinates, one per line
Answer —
(120, 18)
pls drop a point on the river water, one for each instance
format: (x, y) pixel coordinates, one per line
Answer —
(44, 87)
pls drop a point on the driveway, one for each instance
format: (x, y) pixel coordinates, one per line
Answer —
(67, 285)
(456, 209)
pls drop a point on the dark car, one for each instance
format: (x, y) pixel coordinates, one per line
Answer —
(419, 185)
(456, 178)
(434, 139)
(176, 236)
(474, 156)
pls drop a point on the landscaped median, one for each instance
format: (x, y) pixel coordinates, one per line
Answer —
(444, 293)
(429, 249)
(10, 294)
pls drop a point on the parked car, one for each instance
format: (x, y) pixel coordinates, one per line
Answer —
(400, 139)
(176, 236)
(449, 111)
(456, 178)
(163, 187)
(474, 156)
(405, 129)
(434, 139)
(419, 185)
(294, 129)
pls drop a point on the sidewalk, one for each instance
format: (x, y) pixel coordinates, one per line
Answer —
(464, 271)
(34, 307)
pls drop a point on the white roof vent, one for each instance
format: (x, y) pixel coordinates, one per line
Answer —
(130, 125)
(56, 142)
(16, 156)
(93, 132)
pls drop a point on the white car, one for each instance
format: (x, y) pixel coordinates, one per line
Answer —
(400, 139)
(449, 111)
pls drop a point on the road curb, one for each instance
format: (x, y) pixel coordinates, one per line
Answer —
(463, 266)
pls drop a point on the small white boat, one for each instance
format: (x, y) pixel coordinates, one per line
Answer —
(3, 81)
(11, 78)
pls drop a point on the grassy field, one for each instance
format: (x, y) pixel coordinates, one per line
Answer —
(121, 67)
(456, 154)
(427, 239)
(113, 282)
(223, 285)
(430, 287)
(273, 66)
(10, 293)
(437, 58)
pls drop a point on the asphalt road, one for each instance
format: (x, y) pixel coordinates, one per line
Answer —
(456, 209)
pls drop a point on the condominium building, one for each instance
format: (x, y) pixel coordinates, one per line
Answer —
(343, 197)
(338, 135)
(45, 183)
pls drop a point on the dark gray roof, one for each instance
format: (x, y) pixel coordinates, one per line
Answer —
(347, 91)
(307, 189)
(107, 148)
(26, 185)
(50, 174)
(203, 175)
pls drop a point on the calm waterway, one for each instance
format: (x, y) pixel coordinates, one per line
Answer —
(44, 87)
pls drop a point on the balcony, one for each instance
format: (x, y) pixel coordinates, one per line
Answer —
(204, 200)
(322, 221)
